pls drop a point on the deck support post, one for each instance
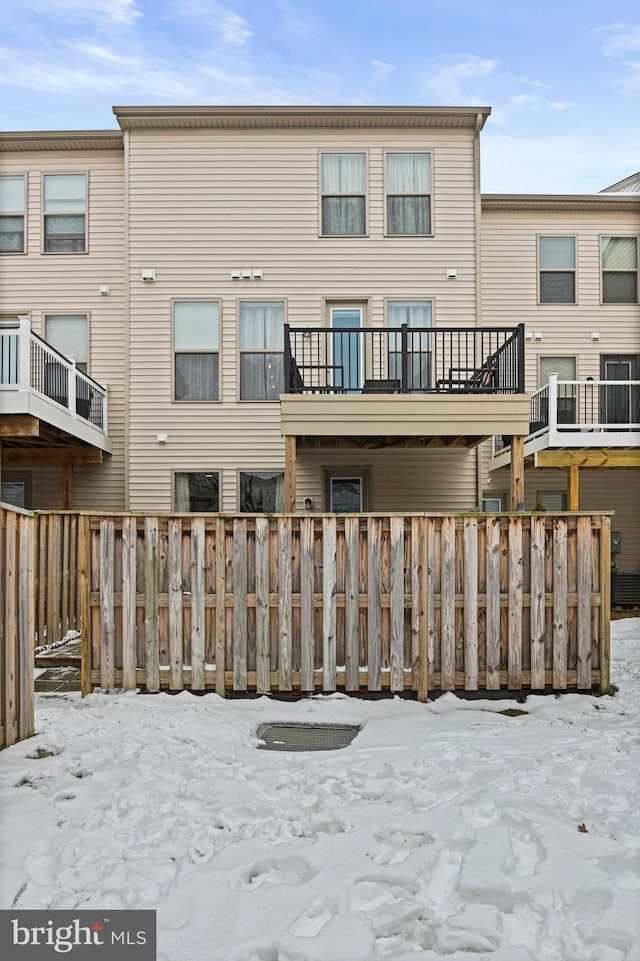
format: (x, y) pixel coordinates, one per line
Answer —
(517, 472)
(290, 474)
(67, 486)
(573, 488)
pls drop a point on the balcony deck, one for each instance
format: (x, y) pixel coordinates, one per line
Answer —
(586, 423)
(380, 386)
(46, 402)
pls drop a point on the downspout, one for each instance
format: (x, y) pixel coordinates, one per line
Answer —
(127, 329)
(478, 260)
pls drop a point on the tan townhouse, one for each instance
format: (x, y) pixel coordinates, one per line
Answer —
(311, 308)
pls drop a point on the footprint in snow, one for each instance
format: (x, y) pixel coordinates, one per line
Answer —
(396, 846)
(271, 871)
(313, 920)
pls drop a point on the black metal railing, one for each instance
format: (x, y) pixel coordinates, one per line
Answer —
(404, 360)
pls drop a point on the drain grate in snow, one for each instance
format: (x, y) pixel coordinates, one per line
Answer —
(306, 737)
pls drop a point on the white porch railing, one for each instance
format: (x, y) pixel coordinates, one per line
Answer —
(581, 413)
(31, 367)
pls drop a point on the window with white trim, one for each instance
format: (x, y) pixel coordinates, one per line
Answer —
(65, 210)
(557, 263)
(408, 191)
(619, 270)
(261, 349)
(12, 204)
(195, 349)
(196, 492)
(343, 187)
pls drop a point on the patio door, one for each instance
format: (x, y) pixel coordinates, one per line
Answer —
(621, 402)
(346, 348)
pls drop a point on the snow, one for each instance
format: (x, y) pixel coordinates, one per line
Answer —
(446, 830)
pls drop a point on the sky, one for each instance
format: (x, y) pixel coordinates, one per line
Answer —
(445, 831)
(562, 78)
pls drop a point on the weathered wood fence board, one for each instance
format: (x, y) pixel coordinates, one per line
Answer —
(17, 624)
(327, 602)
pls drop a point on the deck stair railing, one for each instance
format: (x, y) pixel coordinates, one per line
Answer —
(28, 363)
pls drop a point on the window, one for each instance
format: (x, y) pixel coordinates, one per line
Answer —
(619, 270)
(491, 505)
(65, 207)
(551, 501)
(12, 215)
(565, 368)
(195, 345)
(557, 262)
(16, 488)
(261, 350)
(413, 313)
(261, 493)
(196, 492)
(408, 182)
(343, 184)
(68, 334)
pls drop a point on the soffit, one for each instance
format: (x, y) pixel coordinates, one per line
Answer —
(61, 140)
(154, 118)
(570, 202)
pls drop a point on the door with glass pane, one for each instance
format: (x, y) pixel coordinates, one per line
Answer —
(621, 402)
(346, 349)
(345, 495)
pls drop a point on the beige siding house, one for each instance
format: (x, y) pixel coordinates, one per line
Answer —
(309, 308)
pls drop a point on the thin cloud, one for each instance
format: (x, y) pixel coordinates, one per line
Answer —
(623, 39)
(205, 14)
(102, 12)
(454, 83)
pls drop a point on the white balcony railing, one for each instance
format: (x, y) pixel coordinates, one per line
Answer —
(581, 413)
(36, 379)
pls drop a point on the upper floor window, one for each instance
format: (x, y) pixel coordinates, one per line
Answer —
(196, 346)
(12, 215)
(557, 262)
(619, 270)
(261, 350)
(408, 186)
(69, 335)
(65, 209)
(343, 186)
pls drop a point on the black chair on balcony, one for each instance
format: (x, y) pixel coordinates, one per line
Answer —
(389, 386)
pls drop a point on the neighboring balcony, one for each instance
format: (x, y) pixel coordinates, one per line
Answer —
(45, 400)
(599, 420)
(443, 386)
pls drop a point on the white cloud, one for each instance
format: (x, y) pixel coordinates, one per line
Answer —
(454, 83)
(120, 12)
(209, 15)
(381, 69)
(623, 39)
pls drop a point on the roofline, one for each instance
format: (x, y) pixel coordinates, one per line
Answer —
(602, 201)
(298, 116)
(61, 140)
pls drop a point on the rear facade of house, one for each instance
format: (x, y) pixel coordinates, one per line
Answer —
(311, 309)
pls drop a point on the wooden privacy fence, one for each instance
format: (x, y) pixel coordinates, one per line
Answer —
(288, 603)
(17, 625)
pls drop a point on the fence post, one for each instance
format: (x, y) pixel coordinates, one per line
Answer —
(605, 603)
(84, 604)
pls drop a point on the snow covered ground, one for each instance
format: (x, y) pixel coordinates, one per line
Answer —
(446, 830)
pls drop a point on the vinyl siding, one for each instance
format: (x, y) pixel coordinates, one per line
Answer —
(40, 284)
(203, 203)
(510, 293)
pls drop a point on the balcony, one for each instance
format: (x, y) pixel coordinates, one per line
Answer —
(45, 400)
(444, 386)
(600, 419)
